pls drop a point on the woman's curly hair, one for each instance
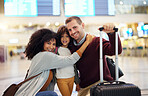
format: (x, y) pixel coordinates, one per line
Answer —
(36, 42)
(62, 30)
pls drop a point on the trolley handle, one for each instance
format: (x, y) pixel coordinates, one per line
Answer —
(101, 28)
(111, 82)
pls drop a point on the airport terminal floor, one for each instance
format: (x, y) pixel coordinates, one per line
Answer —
(135, 71)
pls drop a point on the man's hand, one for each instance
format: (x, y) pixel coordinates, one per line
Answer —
(108, 28)
(77, 87)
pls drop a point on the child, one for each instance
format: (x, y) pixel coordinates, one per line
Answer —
(65, 76)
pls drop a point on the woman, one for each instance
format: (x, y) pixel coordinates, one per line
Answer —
(40, 50)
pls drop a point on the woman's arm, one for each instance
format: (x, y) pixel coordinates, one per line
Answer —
(49, 60)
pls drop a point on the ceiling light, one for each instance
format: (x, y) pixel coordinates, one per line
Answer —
(48, 23)
(30, 24)
(57, 24)
(121, 2)
(144, 2)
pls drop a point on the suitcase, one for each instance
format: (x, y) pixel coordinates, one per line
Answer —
(113, 88)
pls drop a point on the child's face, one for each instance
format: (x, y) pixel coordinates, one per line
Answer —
(65, 39)
(50, 45)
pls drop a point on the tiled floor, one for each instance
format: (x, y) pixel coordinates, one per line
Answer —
(135, 71)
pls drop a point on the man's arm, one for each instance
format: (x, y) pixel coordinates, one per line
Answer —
(109, 46)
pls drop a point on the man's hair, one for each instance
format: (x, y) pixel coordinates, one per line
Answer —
(69, 19)
(36, 42)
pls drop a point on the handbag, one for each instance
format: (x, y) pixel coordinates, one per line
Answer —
(11, 90)
(111, 66)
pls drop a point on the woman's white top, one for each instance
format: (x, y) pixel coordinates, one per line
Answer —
(43, 62)
(68, 71)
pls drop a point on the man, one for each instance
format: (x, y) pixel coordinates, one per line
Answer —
(88, 65)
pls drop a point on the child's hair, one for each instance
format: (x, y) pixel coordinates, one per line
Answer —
(62, 30)
(36, 42)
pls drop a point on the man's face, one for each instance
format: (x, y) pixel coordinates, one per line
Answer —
(76, 30)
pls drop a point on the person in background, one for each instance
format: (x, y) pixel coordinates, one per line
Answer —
(11, 53)
(40, 50)
(88, 65)
(65, 76)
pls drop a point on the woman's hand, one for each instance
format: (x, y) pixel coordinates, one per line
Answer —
(89, 38)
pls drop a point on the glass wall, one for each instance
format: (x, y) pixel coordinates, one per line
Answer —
(131, 6)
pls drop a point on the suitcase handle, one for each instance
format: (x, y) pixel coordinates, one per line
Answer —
(101, 28)
(111, 82)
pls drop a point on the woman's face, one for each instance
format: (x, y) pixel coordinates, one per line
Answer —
(50, 45)
(65, 39)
